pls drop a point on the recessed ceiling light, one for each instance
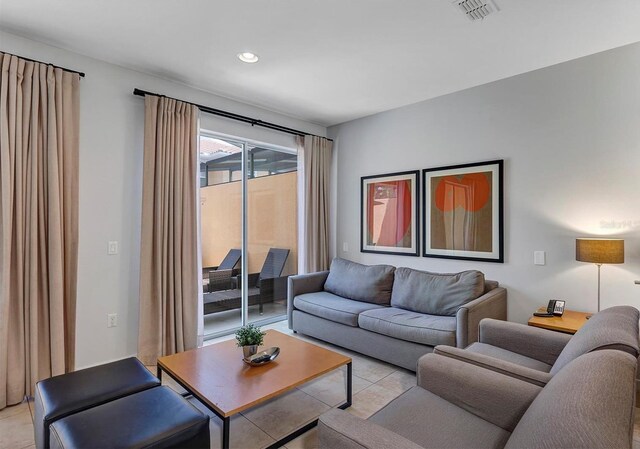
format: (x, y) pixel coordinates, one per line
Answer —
(248, 57)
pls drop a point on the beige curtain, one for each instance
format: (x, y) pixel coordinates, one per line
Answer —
(39, 127)
(316, 154)
(168, 255)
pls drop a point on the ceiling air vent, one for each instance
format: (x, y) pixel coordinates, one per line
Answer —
(476, 9)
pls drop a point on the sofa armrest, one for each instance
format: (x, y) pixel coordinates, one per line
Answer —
(532, 376)
(493, 304)
(301, 284)
(499, 399)
(533, 342)
(339, 429)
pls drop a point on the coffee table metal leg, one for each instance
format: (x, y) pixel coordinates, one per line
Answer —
(159, 373)
(349, 384)
(347, 404)
(225, 432)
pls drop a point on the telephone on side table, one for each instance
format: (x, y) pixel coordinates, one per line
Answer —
(555, 308)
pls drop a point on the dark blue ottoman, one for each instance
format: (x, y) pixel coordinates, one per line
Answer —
(70, 393)
(155, 418)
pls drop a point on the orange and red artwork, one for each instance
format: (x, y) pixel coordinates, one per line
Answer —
(463, 212)
(389, 215)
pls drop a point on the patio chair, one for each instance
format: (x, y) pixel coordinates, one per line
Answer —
(263, 287)
(230, 260)
(221, 277)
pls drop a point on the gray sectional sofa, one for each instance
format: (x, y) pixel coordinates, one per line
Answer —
(393, 314)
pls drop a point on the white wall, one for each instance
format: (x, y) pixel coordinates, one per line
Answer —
(111, 136)
(570, 137)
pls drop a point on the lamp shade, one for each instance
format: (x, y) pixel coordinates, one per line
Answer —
(600, 250)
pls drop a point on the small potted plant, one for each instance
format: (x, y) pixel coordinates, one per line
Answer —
(249, 337)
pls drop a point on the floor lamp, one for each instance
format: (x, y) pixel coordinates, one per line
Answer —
(600, 251)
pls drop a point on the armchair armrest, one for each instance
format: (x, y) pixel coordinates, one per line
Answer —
(339, 429)
(493, 304)
(539, 344)
(301, 284)
(532, 376)
(499, 399)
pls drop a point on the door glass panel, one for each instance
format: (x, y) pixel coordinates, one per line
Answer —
(272, 230)
(221, 227)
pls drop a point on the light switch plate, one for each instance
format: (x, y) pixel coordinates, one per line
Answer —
(112, 248)
(539, 258)
(345, 247)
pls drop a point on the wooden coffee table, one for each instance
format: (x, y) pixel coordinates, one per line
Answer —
(216, 376)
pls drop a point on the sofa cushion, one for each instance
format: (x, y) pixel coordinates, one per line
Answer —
(411, 326)
(332, 307)
(435, 293)
(589, 403)
(508, 356)
(612, 328)
(430, 421)
(368, 283)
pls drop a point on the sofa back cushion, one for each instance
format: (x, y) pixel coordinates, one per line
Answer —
(588, 404)
(368, 283)
(612, 328)
(435, 293)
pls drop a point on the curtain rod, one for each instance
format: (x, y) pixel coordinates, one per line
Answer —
(45, 63)
(233, 116)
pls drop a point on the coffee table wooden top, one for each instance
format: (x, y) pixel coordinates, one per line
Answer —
(217, 375)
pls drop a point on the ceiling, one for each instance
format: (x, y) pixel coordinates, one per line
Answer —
(327, 61)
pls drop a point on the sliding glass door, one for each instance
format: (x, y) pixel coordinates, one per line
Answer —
(221, 232)
(272, 229)
(249, 231)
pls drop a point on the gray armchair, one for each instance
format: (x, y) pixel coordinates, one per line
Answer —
(536, 355)
(460, 405)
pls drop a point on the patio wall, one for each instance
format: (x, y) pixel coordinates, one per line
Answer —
(272, 211)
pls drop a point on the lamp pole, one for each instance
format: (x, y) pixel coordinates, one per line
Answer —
(599, 266)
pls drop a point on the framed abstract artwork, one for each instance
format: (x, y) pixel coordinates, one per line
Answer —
(389, 213)
(463, 212)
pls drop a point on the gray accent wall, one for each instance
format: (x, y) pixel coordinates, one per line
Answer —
(570, 138)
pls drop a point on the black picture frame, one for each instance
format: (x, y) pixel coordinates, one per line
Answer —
(365, 247)
(496, 167)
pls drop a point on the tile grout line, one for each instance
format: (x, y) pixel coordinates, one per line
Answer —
(258, 427)
(31, 411)
(353, 394)
(16, 405)
(318, 399)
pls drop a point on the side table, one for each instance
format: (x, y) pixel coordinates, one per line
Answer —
(569, 322)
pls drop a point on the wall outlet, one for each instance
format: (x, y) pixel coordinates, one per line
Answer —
(539, 258)
(112, 248)
(112, 320)
(345, 247)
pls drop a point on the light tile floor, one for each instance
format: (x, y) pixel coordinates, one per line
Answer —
(375, 384)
